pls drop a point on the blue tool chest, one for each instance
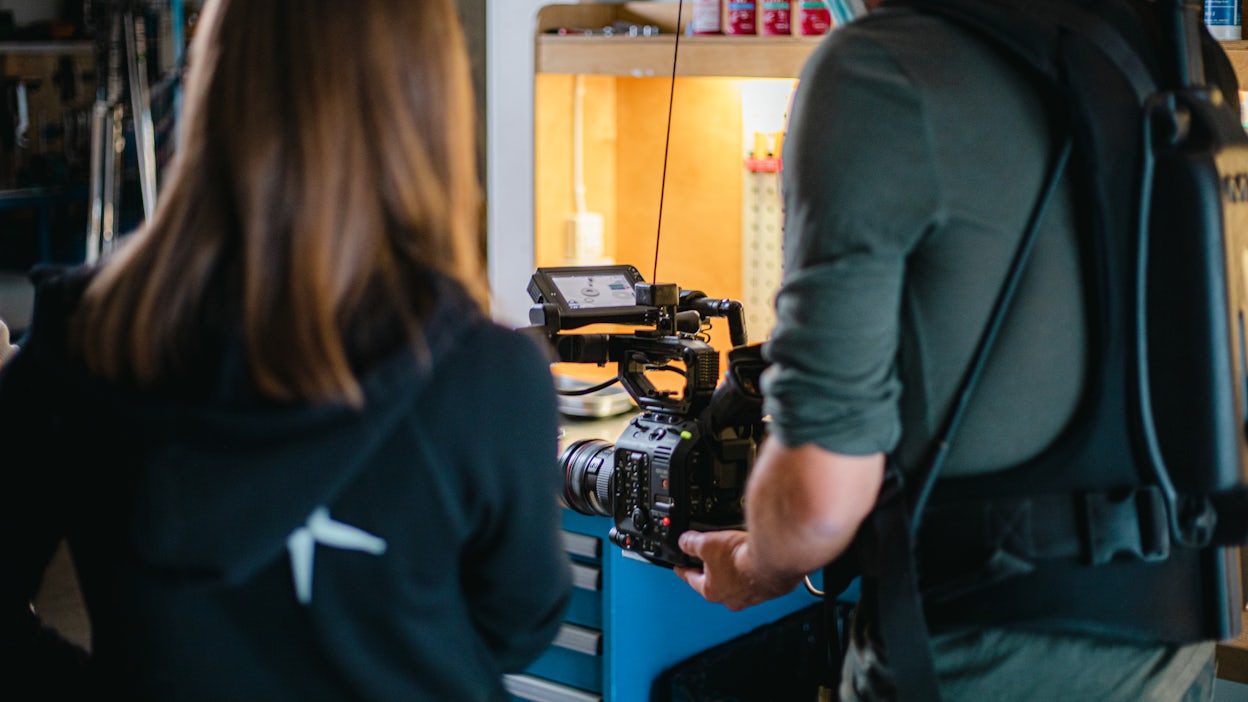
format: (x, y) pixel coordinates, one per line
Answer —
(628, 621)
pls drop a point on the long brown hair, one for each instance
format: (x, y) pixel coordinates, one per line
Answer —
(326, 149)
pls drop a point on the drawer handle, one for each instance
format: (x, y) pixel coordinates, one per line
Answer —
(582, 545)
(579, 639)
(527, 687)
(586, 577)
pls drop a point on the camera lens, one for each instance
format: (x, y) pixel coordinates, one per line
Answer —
(588, 468)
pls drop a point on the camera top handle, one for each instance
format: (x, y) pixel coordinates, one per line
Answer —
(572, 297)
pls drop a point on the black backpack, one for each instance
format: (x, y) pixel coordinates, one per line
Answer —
(1126, 526)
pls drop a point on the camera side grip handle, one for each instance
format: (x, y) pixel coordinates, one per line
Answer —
(732, 310)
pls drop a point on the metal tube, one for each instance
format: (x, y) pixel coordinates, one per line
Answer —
(96, 188)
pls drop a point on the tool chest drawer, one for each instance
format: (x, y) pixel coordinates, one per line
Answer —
(573, 665)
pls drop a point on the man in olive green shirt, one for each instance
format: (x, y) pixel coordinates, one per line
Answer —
(914, 155)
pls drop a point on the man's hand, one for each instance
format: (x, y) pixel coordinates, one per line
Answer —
(803, 506)
(6, 349)
(728, 575)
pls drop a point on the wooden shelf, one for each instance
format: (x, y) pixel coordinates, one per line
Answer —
(715, 56)
(1232, 656)
(75, 46)
(724, 56)
(1237, 51)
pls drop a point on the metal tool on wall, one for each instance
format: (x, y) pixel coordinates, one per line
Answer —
(141, 107)
(106, 142)
(14, 122)
(122, 39)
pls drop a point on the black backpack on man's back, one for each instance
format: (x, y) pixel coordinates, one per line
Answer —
(1126, 525)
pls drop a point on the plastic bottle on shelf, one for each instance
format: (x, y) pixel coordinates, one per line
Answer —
(813, 17)
(740, 18)
(1222, 17)
(706, 17)
(776, 18)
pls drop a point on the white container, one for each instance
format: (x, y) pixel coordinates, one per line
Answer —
(706, 16)
(1222, 17)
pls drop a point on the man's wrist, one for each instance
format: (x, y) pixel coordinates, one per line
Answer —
(764, 579)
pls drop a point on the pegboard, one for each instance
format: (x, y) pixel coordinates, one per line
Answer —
(762, 261)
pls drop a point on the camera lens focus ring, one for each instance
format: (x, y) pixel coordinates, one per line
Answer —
(588, 466)
(602, 487)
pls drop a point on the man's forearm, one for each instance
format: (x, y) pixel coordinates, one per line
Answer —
(804, 504)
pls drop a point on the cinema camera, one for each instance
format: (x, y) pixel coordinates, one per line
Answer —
(681, 463)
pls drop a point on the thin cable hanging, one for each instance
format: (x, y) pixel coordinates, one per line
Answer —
(667, 139)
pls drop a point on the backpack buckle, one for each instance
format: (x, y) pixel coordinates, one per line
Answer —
(1131, 524)
(1198, 521)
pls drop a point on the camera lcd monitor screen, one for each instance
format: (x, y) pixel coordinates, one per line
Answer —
(596, 291)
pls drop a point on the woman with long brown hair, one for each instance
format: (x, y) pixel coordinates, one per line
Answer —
(290, 454)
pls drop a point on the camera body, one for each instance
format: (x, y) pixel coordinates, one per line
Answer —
(681, 463)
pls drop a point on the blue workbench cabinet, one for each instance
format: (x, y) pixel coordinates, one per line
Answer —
(628, 621)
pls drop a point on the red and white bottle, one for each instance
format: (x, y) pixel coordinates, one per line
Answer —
(740, 18)
(776, 18)
(813, 17)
